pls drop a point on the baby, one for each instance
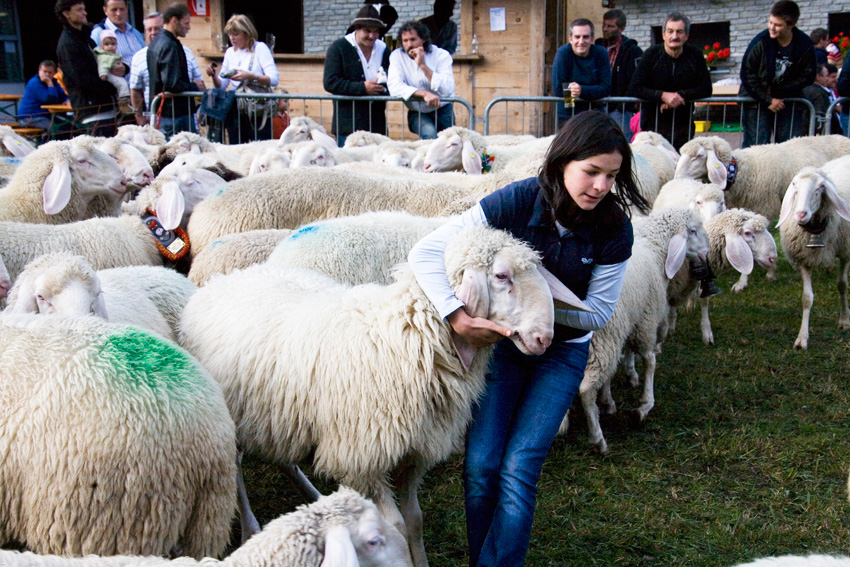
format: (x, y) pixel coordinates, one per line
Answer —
(107, 56)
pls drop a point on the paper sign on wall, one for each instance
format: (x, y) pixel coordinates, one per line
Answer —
(199, 7)
(497, 19)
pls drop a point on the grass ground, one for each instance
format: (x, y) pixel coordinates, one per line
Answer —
(746, 453)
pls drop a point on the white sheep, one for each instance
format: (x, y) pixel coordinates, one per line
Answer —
(310, 153)
(393, 154)
(235, 252)
(819, 199)
(814, 560)
(342, 529)
(173, 198)
(115, 441)
(270, 159)
(662, 243)
(707, 199)
(210, 161)
(655, 149)
(294, 197)
(57, 182)
(105, 242)
(368, 380)
(12, 144)
(461, 149)
(147, 135)
(151, 297)
(357, 249)
(360, 138)
(763, 172)
(303, 129)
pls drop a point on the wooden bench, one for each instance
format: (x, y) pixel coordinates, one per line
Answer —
(29, 132)
(10, 124)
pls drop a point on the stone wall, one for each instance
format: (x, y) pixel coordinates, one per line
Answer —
(746, 18)
(327, 20)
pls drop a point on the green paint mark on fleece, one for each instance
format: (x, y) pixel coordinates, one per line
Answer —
(148, 361)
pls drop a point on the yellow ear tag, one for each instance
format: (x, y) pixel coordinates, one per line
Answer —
(473, 154)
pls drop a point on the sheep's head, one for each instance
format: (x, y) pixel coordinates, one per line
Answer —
(180, 194)
(361, 138)
(455, 149)
(805, 196)
(14, 145)
(133, 163)
(709, 201)
(311, 154)
(681, 232)
(147, 135)
(500, 278)
(304, 128)
(705, 158)
(394, 156)
(747, 239)
(58, 284)
(272, 159)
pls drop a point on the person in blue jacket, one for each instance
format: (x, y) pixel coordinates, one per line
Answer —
(41, 89)
(583, 67)
(582, 231)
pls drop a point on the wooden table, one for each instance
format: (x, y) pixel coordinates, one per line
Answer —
(9, 107)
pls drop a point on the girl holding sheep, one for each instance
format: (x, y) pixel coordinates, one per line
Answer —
(582, 231)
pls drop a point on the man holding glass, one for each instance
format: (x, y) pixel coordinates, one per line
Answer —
(580, 70)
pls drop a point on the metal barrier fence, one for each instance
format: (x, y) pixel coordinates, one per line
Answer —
(714, 114)
(842, 118)
(467, 117)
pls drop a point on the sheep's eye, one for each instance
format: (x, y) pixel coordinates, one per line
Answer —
(748, 233)
(502, 276)
(376, 541)
(39, 297)
(699, 203)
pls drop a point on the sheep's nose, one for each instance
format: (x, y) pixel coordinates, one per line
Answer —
(428, 167)
(541, 340)
(147, 177)
(771, 260)
(5, 286)
(801, 215)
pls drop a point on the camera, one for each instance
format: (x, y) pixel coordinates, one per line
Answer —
(227, 74)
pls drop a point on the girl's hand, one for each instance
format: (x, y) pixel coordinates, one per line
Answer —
(478, 331)
(241, 75)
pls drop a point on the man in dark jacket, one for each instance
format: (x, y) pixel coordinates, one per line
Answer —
(357, 65)
(169, 72)
(623, 54)
(669, 77)
(89, 95)
(581, 68)
(821, 95)
(778, 64)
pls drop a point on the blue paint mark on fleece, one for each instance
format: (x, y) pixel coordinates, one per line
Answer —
(303, 231)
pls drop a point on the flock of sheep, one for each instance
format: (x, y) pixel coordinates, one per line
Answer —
(293, 329)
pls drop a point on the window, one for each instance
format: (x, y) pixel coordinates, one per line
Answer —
(11, 62)
(701, 34)
(282, 18)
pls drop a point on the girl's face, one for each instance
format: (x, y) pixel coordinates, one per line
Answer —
(238, 40)
(589, 180)
(109, 45)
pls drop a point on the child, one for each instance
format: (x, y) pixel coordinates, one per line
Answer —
(281, 119)
(107, 56)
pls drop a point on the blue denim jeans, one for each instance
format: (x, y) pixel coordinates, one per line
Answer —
(512, 430)
(623, 119)
(170, 126)
(427, 124)
(760, 124)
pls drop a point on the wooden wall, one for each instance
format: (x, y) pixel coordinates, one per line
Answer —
(509, 63)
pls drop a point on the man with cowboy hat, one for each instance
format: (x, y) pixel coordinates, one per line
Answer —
(356, 65)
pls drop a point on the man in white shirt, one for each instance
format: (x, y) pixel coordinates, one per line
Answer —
(139, 80)
(423, 70)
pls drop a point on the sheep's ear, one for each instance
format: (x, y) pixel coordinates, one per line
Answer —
(716, 169)
(194, 148)
(170, 205)
(670, 152)
(255, 166)
(22, 297)
(100, 307)
(57, 188)
(739, 253)
(15, 147)
(842, 207)
(339, 550)
(323, 139)
(475, 294)
(563, 296)
(787, 203)
(471, 159)
(676, 252)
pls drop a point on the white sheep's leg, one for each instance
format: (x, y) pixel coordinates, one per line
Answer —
(742, 282)
(671, 319)
(629, 370)
(843, 311)
(705, 322)
(248, 522)
(565, 424)
(407, 481)
(588, 390)
(802, 341)
(383, 498)
(302, 483)
(647, 400)
(606, 402)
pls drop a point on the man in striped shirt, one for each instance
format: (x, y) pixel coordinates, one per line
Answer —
(130, 40)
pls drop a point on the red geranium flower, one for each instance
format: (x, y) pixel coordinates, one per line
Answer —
(710, 57)
(716, 45)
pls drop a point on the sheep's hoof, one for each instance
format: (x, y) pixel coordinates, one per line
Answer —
(709, 340)
(600, 446)
(738, 288)
(801, 344)
(636, 419)
(844, 324)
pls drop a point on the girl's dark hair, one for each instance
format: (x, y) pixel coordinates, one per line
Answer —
(64, 6)
(589, 134)
(420, 29)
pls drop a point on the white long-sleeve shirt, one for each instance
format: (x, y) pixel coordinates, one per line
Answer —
(238, 59)
(426, 261)
(405, 77)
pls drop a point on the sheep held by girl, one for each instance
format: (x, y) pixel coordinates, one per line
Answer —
(818, 202)
(368, 380)
(140, 457)
(342, 529)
